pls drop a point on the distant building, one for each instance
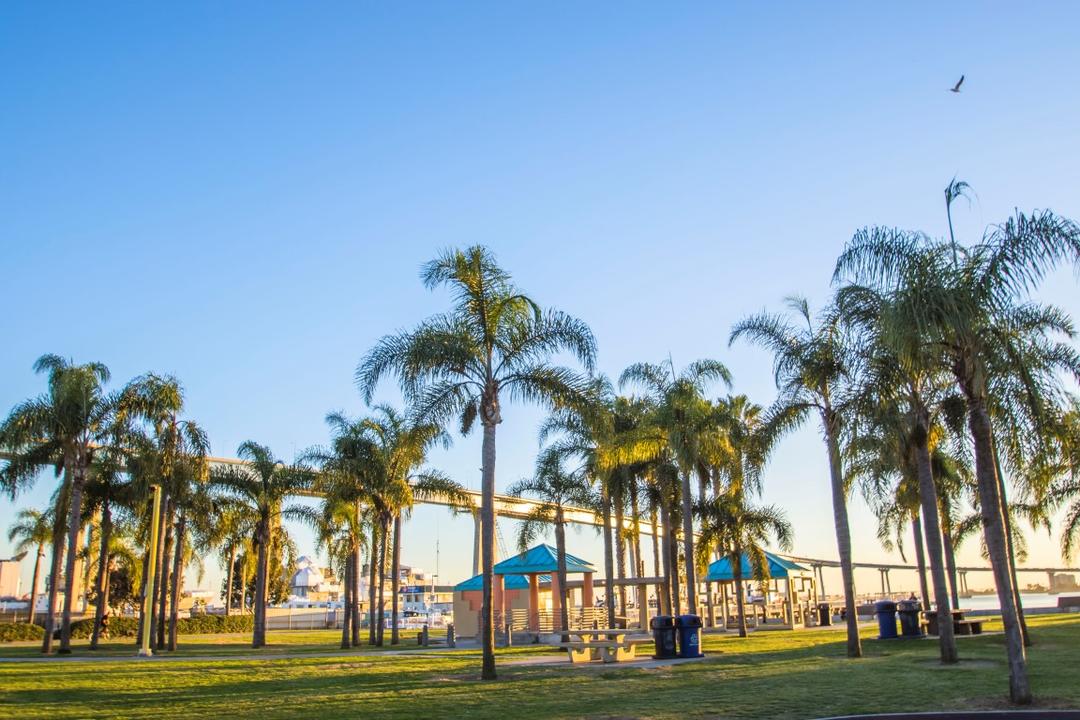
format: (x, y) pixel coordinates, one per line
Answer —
(10, 579)
(1063, 582)
(313, 584)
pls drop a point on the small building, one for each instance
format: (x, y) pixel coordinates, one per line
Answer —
(787, 606)
(469, 594)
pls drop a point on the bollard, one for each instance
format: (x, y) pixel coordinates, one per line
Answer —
(451, 640)
(424, 635)
(509, 634)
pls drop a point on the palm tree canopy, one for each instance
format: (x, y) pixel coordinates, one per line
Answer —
(494, 339)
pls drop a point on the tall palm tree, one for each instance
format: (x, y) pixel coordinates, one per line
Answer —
(556, 489)
(59, 429)
(902, 387)
(810, 365)
(734, 528)
(263, 484)
(494, 343)
(966, 307)
(32, 529)
(689, 430)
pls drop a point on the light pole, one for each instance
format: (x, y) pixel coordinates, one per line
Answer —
(151, 569)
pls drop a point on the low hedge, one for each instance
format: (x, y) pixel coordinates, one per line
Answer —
(13, 632)
(197, 625)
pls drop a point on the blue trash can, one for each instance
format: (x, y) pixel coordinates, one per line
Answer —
(886, 619)
(689, 627)
(663, 633)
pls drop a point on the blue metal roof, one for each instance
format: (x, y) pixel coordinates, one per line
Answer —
(778, 568)
(510, 582)
(541, 559)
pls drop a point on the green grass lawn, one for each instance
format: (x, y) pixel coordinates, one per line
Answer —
(773, 675)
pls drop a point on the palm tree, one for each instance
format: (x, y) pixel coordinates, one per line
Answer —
(108, 489)
(402, 448)
(263, 483)
(59, 429)
(589, 431)
(733, 528)
(902, 389)
(810, 367)
(556, 489)
(31, 529)
(234, 530)
(172, 454)
(494, 343)
(967, 308)
(689, 430)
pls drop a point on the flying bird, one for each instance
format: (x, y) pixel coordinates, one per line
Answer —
(956, 88)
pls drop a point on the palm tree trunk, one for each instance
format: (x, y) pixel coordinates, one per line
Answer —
(673, 569)
(102, 583)
(243, 583)
(920, 559)
(346, 603)
(395, 580)
(163, 564)
(258, 636)
(688, 544)
(560, 551)
(384, 541)
(229, 579)
(354, 579)
(663, 598)
(34, 580)
(620, 550)
(843, 532)
(929, 500)
(635, 517)
(950, 566)
(177, 580)
(58, 537)
(373, 574)
(609, 555)
(489, 411)
(142, 594)
(996, 545)
(1007, 519)
(78, 480)
(740, 591)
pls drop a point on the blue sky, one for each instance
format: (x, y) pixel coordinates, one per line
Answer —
(242, 195)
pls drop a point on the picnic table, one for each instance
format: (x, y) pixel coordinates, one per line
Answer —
(608, 645)
(960, 625)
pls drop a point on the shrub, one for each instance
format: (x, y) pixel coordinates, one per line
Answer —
(197, 625)
(118, 627)
(12, 632)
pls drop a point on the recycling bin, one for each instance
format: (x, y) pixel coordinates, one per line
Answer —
(824, 613)
(689, 627)
(909, 618)
(663, 633)
(885, 610)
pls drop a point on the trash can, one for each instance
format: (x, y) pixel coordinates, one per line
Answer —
(689, 627)
(824, 614)
(886, 619)
(663, 633)
(909, 618)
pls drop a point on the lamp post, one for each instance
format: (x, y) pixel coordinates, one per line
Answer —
(151, 569)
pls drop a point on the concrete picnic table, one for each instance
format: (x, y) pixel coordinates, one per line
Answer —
(608, 645)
